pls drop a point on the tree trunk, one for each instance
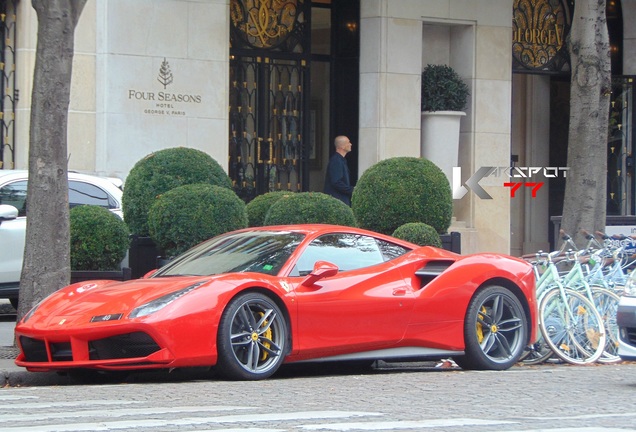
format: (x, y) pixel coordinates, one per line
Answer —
(585, 201)
(46, 266)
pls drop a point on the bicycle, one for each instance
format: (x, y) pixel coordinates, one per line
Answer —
(569, 323)
(605, 301)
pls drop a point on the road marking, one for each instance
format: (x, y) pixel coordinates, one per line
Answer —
(12, 397)
(414, 424)
(81, 404)
(243, 430)
(139, 412)
(579, 429)
(162, 423)
(582, 416)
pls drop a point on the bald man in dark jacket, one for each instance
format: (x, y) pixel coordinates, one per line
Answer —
(337, 181)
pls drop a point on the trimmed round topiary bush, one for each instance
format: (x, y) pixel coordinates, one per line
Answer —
(187, 215)
(257, 208)
(418, 233)
(310, 207)
(400, 190)
(99, 238)
(443, 89)
(162, 171)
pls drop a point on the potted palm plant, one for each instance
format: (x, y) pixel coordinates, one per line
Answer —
(444, 98)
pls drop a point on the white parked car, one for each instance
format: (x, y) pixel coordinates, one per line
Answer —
(83, 189)
(626, 320)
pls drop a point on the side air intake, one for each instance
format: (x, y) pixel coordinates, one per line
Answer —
(431, 270)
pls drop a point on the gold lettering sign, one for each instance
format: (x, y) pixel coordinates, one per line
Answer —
(264, 23)
(539, 28)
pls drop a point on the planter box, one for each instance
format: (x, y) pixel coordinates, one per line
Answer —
(452, 242)
(142, 256)
(84, 275)
(440, 139)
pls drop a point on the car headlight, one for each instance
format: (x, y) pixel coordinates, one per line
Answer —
(161, 302)
(33, 309)
(630, 285)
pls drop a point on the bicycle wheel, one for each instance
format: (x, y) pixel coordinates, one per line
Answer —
(536, 353)
(572, 326)
(606, 303)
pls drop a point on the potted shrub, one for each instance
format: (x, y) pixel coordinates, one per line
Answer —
(309, 207)
(187, 215)
(399, 190)
(152, 176)
(444, 98)
(162, 171)
(257, 208)
(443, 89)
(99, 243)
(418, 233)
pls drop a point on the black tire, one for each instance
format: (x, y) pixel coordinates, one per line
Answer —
(537, 353)
(495, 330)
(252, 338)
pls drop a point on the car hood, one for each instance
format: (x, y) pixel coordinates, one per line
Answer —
(89, 299)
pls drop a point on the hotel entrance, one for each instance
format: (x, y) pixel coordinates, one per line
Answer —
(540, 121)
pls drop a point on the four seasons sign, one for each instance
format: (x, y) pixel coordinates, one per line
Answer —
(539, 29)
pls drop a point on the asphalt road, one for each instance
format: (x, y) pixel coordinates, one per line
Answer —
(399, 397)
(388, 397)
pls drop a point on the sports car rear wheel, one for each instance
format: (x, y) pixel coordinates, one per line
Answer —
(495, 330)
(252, 338)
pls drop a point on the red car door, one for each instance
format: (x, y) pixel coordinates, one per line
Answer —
(358, 309)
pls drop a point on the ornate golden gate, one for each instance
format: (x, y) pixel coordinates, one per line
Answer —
(269, 79)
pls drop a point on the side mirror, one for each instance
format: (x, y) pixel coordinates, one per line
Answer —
(322, 269)
(8, 212)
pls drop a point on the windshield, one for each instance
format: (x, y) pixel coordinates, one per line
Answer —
(255, 251)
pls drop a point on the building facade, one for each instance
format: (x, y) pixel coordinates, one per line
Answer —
(265, 86)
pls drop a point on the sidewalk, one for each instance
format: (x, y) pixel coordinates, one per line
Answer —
(13, 376)
(7, 364)
(10, 374)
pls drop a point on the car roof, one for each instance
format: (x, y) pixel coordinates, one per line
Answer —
(319, 229)
(112, 185)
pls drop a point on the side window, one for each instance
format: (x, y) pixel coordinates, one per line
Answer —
(391, 250)
(347, 251)
(80, 193)
(15, 194)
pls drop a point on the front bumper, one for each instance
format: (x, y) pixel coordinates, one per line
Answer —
(113, 346)
(626, 321)
(112, 352)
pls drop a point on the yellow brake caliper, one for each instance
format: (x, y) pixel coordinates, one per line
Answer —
(480, 330)
(267, 335)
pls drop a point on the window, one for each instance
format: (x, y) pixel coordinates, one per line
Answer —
(81, 193)
(260, 251)
(15, 194)
(347, 251)
(391, 250)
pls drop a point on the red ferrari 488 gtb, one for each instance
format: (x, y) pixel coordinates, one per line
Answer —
(250, 300)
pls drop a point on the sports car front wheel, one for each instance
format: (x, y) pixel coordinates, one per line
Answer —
(495, 330)
(252, 338)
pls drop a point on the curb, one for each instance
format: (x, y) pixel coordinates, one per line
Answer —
(23, 378)
(15, 376)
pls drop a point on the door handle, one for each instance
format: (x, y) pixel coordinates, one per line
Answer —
(399, 291)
